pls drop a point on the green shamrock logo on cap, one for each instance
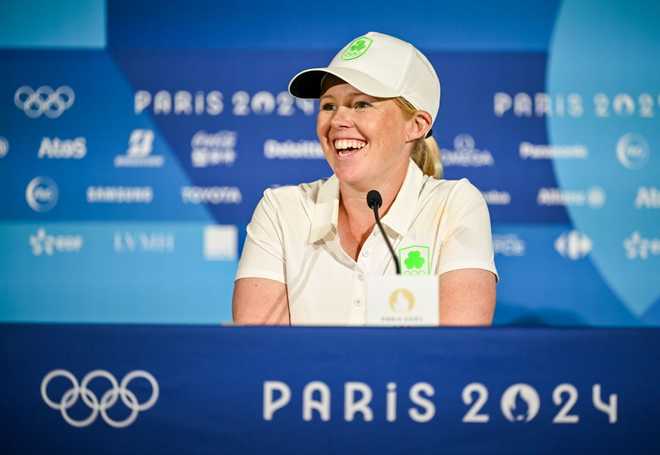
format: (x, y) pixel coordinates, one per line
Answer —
(357, 48)
(415, 260)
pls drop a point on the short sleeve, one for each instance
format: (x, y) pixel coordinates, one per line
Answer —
(263, 252)
(467, 239)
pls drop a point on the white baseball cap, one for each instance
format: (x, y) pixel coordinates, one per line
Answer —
(381, 66)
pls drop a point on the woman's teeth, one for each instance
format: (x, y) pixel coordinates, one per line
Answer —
(347, 146)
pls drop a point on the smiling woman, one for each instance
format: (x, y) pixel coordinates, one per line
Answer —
(310, 246)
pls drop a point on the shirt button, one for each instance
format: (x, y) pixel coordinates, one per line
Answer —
(361, 276)
(365, 253)
(357, 302)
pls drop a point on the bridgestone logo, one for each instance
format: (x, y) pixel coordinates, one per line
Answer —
(120, 194)
(548, 152)
(292, 150)
(211, 195)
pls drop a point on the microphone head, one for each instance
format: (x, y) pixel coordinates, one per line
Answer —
(373, 199)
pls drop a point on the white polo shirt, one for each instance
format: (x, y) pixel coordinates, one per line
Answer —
(434, 226)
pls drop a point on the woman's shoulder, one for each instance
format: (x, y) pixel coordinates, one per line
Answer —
(455, 190)
(294, 197)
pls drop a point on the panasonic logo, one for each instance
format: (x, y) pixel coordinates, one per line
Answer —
(119, 195)
(647, 198)
(211, 195)
(594, 197)
(552, 152)
(57, 148)
(292, 150)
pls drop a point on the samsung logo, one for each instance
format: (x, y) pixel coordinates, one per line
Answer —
(120, 194)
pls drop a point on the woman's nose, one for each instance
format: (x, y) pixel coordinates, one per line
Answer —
(342, 118)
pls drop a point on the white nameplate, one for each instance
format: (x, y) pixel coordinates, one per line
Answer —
(399, 300)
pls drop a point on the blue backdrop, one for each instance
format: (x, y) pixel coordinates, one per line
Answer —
(137, 137)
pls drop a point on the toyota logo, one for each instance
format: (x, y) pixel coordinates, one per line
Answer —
(109, 398)
(44, 100)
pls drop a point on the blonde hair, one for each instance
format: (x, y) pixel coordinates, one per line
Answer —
(426, 152)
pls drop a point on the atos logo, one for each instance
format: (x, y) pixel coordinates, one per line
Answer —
(140, 146)
(520, 403)
(57, 148)
(44, 101)
(4, 147)
(41, 194)
(648, 197)
(632, 151)
(573, 245)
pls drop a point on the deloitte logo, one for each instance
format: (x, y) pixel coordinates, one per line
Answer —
(632, 151)
(573, 245)
(41, 194)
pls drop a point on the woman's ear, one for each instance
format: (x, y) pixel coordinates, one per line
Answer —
(418, 126)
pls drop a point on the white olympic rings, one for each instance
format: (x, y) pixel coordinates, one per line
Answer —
(44, 100)
(109, 398)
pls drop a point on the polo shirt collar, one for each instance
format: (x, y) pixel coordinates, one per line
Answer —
(325, 212)
(401, 212)
(326, 209)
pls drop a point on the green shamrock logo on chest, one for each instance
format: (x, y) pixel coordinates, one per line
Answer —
(415, 260)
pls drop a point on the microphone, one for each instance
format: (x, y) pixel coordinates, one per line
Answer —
(374, 201)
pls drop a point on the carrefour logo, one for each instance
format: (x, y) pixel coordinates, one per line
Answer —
(573, 245)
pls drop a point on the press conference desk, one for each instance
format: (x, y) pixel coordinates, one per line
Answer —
(188, 389)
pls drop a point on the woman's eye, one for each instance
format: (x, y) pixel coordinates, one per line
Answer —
(327, 107)
(361, 105)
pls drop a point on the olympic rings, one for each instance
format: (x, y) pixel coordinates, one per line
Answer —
(44, 100)
(109, 398)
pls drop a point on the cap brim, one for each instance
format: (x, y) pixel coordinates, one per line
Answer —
(307, 83)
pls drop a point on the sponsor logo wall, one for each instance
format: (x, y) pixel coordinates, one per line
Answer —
(183, 145)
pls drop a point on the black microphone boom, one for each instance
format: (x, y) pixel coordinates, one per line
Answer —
(374, 201)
